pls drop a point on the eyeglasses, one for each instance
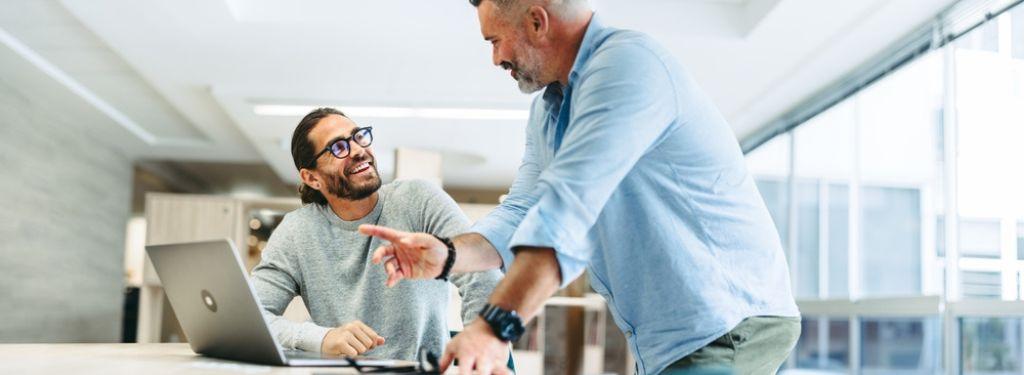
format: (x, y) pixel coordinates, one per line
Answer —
(340, 146)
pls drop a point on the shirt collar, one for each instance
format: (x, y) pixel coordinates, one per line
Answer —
(587, 46)
(553, 93)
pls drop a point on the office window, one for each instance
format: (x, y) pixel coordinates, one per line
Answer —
(940, 235)
(990, 90)
(940, 135)
(824, 345)
(985, 38)
(1015, 292)
(775, 195)
(1017, 32)
(769, 164)
(991, 346)
(891, 241)
(1020, 285)
(824, 145)
(771, 160)
(901, 346)
(894, 132)
(1020, 240)
(981, 284)
(807, 249)
(896, 124)
(824, 163)
(979, 238)
(838, 240)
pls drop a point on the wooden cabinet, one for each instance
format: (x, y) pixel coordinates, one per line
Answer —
(181, 218)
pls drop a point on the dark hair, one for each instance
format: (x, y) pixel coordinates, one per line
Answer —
(304, 151)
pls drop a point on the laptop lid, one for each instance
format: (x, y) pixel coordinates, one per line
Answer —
(214, 301)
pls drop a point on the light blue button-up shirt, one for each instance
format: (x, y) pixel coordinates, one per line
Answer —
(631, 172)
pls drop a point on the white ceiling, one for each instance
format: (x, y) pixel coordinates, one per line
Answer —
(179, 78)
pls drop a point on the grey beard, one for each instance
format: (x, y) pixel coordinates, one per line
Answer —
(529, 71)
(528, 86)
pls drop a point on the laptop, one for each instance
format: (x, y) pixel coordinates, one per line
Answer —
(220, 313)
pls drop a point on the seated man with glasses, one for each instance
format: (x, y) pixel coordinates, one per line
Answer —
(316, 252)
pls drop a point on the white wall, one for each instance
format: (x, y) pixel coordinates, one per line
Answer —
(65, 192)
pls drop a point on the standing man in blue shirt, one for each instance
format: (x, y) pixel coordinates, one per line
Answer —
(632, 173)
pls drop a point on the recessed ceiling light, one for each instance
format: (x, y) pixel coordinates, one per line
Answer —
(399, 112)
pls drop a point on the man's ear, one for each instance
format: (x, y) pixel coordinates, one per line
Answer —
(310, 178)
(539, 23)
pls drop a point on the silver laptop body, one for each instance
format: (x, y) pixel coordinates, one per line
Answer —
(218, 309)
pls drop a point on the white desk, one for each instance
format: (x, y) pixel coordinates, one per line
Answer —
(148, 359)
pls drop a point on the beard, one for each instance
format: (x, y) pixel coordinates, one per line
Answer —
(344, 188)
(528, 71)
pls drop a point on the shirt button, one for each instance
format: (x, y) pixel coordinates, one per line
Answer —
(629, 334)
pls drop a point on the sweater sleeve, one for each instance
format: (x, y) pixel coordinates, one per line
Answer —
(443, 217)
(277, 280)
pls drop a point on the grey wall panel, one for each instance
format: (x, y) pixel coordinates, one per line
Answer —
(64, 202)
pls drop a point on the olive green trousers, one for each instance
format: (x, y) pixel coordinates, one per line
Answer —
(758, 345)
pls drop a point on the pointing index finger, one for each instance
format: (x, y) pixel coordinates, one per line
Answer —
(384, 233)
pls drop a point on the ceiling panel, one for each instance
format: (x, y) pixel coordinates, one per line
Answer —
(205, 63)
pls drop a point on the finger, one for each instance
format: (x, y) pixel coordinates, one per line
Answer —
(391, 265)
(355, 343)
(466, 365)
(418, 240)
(393, 274)
(384, 233)
(408, 241)
(405, 264)
(382, 253)
(347, 350)
(501, 364)
(380, 341)
(483, 366)
(365, 339)
(402, 262)
(446, 358)
(369, 332)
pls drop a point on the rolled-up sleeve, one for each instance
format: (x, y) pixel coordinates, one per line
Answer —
(499, 225)
(623, 105)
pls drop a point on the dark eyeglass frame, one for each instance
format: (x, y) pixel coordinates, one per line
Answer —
(345, 141)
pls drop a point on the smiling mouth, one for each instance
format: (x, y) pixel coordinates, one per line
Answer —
(360, 168)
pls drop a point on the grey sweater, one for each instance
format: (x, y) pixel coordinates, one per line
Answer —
(315, 254)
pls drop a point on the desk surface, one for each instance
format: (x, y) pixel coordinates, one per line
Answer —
(130, 359)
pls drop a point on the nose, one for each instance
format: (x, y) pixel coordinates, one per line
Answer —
(357, 152)
(494, 56)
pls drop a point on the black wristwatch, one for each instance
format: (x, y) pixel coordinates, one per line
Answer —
(506, 324)
(448, 263)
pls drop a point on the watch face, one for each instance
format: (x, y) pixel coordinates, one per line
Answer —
(506, 324)
(517, 330)
(513, 328)
(509, 332)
